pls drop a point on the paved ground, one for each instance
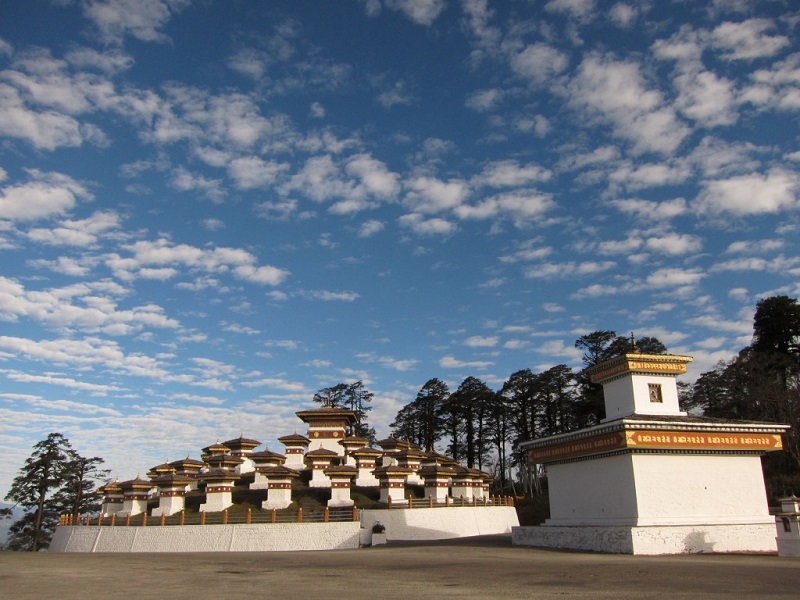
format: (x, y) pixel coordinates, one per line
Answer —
(484, 568)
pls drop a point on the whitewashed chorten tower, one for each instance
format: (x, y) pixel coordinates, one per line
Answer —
(650, 479)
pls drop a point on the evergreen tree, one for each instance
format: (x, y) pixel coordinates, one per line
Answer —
(76, 494)
(422, 421)
(471, 403)
(43, 473)
(352, 396)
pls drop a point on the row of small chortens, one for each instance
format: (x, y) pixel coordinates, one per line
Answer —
(333, 459)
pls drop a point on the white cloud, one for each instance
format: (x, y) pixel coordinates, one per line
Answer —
(627, 246)
(648, 210)
(252, 172)
(484, 100)
(641, 176)
(278, 384)
(110, 62)
(329, 296)
(477, 341)
(47, 195)
(748, 39)
(249, 62)
(375, 178)
(83, 232)
(394, 94)
(89, 352)
(552, 307)
(509, 173)
(93, 388)
(64, 265)
(141, 19)
(317, 110)
(89, 307)
(422, 12)
(520, 206)
(568, 269)
(582, 10)
(185, 181)
(164, 254)
(674, 278)
(529, 251)
(623, 15)
(46, 130)
(389, 362)
(754, 246)
(752, 194)
(425, 226)
(370, 228)
(675, 244)
(450, 362)
(431, 195)
(615, 92)
(539, 62)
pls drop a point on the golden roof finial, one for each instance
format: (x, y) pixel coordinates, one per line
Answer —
(633, 343)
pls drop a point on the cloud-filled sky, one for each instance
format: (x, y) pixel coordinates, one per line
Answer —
(210, 210)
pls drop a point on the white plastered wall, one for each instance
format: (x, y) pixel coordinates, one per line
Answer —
(630, 395)
(653, 489)
(710, 489)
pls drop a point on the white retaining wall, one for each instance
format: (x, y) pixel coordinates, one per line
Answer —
(440, 523)
(207, 538)
(685, 539)
(401, 524)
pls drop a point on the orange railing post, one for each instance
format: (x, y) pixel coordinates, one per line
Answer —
(410, 502)
(326, 516)
(446, 501)
(144, 519)
(113, 519)
(202, 518)
(225, 517)
(274, 515)
(430, 501)
(249, 517)
(182, 518)
(128, 520)
(389, 503)
(355, 513)
(163, 519)
(300, 515)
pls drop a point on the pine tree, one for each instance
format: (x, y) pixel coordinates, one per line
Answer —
(54, 479)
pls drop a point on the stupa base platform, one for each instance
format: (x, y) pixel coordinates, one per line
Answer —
(749, 538)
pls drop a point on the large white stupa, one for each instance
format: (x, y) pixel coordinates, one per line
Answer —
(650, 479)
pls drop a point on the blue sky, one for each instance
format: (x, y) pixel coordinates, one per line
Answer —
(210, 210)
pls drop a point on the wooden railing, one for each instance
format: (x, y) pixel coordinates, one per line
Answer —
(225, 517)
(448, 502)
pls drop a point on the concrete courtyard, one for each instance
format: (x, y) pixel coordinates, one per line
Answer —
(487, 567)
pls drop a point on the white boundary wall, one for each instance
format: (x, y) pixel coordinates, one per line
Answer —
(440, 523)
(401, 524)
(207, 538)
(686, 539)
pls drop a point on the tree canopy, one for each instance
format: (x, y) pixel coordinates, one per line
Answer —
(55, 479)
(353, 396)
(476, 423)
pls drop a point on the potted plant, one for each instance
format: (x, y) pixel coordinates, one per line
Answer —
(378, 533)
